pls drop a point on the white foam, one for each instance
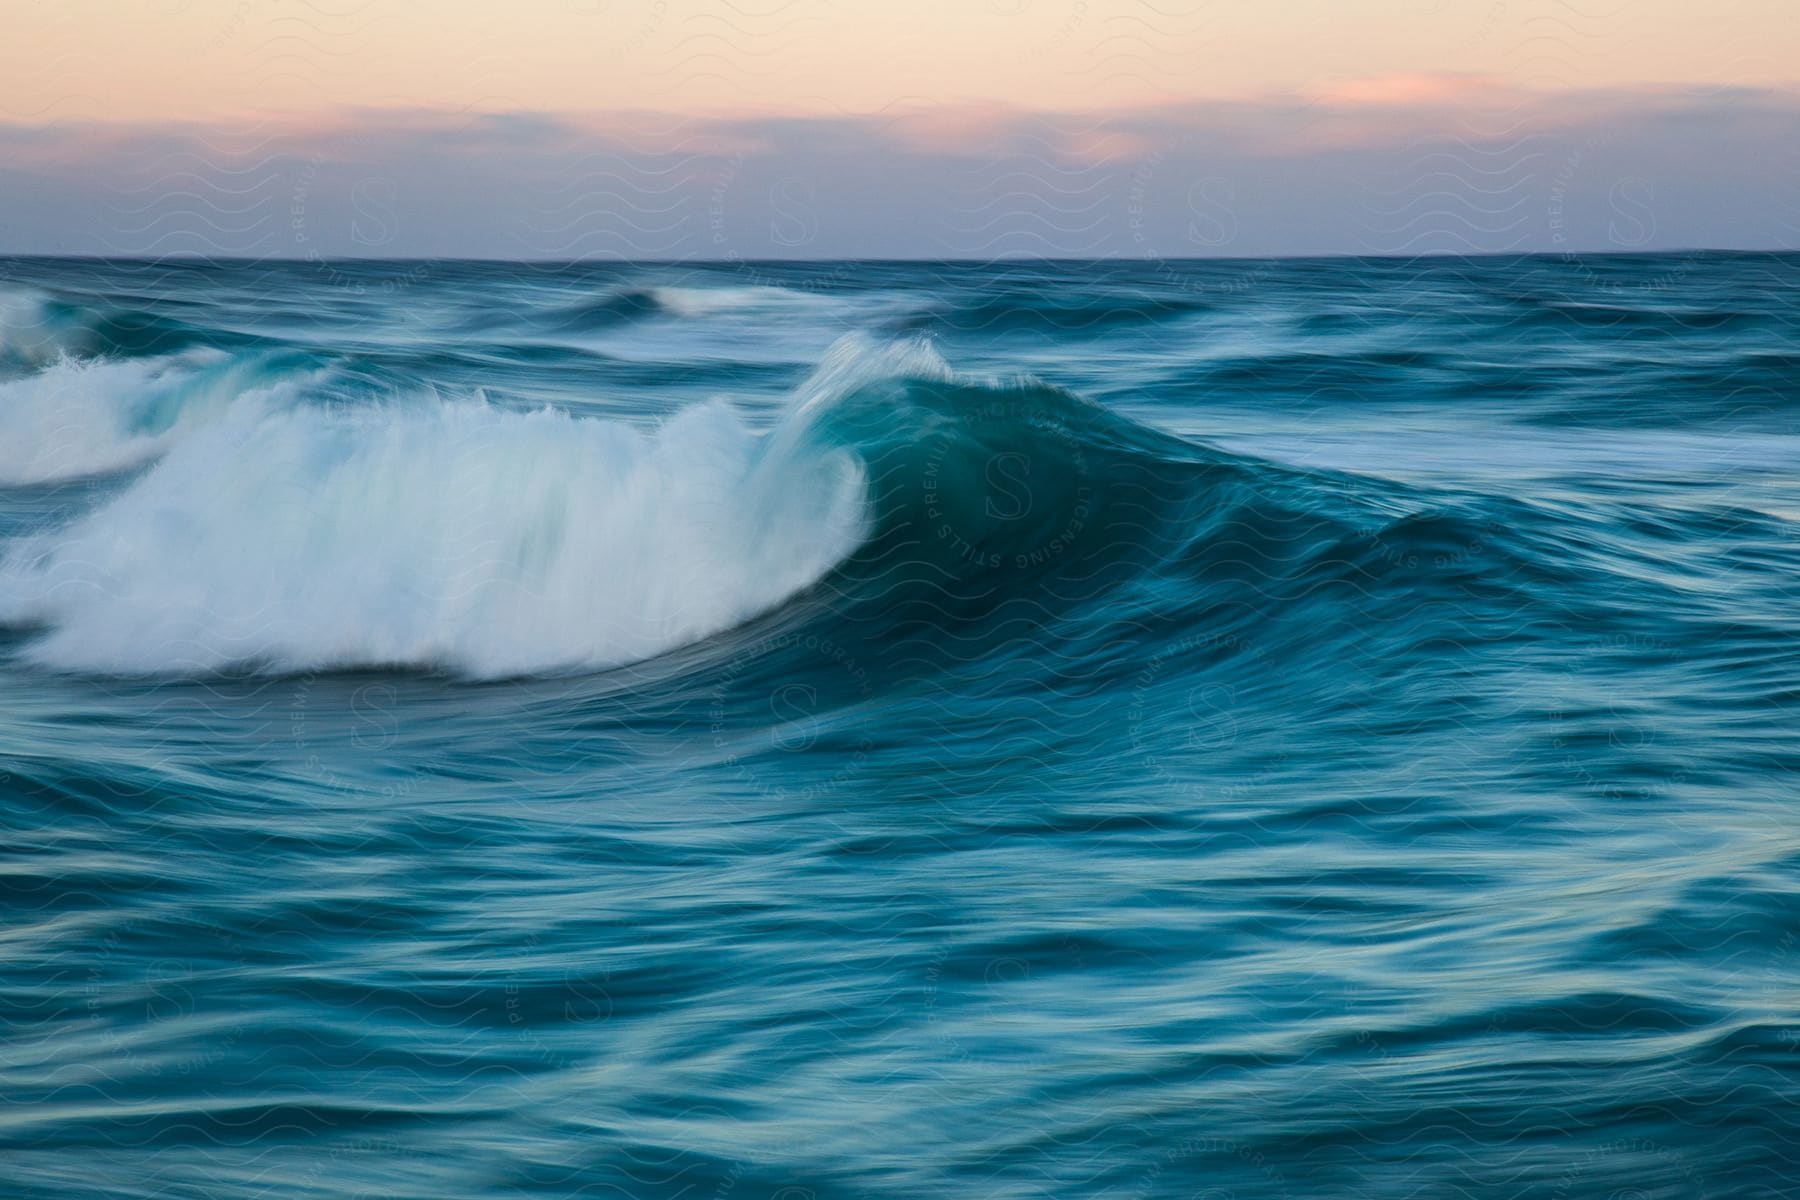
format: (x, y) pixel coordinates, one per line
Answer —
(858, 358)
(458, 535)
(706, 302)
(26, 335)
(77, 418)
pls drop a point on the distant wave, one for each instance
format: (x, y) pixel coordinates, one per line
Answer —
(620, 306)
(37, 328)
(604, 311)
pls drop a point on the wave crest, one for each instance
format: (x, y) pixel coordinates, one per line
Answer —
(37, 329)
(79, 418)
(455, 535)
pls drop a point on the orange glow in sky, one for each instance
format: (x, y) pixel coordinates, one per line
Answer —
(227, 60)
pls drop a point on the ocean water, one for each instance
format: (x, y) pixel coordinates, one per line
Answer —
(780, 731)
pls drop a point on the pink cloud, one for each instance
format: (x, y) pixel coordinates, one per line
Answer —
(1397, 91)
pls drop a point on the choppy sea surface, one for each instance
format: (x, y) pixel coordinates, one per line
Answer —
(1237, 729)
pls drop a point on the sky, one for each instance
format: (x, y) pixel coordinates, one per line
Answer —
(745, 129)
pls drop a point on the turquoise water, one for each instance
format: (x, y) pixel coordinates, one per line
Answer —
(1238, 729)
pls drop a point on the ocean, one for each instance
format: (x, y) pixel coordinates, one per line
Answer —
(786, 731)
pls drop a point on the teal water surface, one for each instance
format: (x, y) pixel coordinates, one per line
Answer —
(1307, 728)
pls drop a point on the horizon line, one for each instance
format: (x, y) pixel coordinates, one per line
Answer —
(960, 260)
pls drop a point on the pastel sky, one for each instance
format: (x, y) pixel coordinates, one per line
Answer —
(954, 128)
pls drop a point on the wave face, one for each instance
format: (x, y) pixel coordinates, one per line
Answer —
(1265, 729)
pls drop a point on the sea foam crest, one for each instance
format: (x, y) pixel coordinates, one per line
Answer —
(28, 334)
(711, 301)
(450, 534)
(83, 417)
